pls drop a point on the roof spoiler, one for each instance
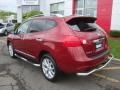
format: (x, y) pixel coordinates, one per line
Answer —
(57, 15)
(80, 19)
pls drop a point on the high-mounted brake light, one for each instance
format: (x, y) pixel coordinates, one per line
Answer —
(72, 41)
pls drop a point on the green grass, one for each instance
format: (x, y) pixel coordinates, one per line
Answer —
(115, 47)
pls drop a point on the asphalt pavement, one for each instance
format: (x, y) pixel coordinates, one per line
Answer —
(16, 74)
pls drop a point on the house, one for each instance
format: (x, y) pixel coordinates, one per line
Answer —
(107, 12)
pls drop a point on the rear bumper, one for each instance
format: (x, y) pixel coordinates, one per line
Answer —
(75, 61)
(110, 57)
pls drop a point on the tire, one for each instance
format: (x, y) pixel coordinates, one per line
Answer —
(6, 33)
(11, 50)
(49, 68)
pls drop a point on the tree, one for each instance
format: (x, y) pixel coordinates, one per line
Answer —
(31, 13)
(4, 14)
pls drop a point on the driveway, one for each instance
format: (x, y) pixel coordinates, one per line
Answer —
(16, 74)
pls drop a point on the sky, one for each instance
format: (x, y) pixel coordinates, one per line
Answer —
(8, 5)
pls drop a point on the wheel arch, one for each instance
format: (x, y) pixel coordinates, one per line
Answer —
(42, 52)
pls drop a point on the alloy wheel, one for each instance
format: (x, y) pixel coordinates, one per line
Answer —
(48, 68)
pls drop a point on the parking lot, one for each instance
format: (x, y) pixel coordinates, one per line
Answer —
(16, 74)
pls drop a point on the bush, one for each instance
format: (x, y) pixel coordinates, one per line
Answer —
(115, 33)
(31, 13)
(16, 26)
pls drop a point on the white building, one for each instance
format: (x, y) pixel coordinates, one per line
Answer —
(1, 20)
(24, 6)
(10, 18)
(106, 11)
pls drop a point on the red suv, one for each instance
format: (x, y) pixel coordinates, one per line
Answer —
(61, 44)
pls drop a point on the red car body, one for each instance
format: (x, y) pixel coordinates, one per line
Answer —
(73, 51)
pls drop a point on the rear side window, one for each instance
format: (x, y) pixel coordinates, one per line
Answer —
(83, 25)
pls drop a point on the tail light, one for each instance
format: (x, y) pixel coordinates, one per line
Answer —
(106, 43)
(71, 41)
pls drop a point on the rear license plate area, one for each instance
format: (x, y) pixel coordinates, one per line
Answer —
(98, 43)
(98, 46)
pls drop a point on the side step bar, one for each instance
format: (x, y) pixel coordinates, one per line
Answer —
(37, 65)
(110, 57)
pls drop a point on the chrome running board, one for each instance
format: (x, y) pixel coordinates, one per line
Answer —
(24, 59)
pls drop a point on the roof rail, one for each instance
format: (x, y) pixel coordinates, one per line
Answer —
(58, 15)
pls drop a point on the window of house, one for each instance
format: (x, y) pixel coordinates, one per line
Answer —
(35, 7)
(86, 7)
(79, 7)
(90, 7)
(29, 8)
(57, 8)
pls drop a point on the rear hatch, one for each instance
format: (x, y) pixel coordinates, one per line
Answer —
(93, 39)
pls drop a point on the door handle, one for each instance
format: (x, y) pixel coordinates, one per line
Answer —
(39, 39)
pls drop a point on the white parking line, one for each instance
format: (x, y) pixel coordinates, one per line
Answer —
(106, 77)
(111, 68)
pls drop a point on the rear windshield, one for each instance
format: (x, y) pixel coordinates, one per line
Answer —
(83, 25)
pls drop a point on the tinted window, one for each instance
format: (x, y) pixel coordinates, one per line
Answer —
(37, 25)
(57, 8)
(40, 25)
(8, 25)
(84, 27)
(83, 24)
(1, 25)
(50, 24)
(23, 28)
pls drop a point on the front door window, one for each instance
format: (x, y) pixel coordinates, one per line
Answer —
(23, 28)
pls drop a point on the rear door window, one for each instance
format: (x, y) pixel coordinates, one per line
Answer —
(37, 26)
(41, 25)
(50, 24)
